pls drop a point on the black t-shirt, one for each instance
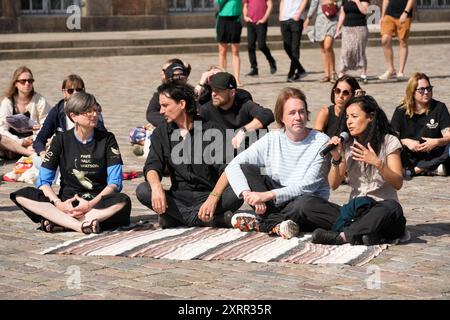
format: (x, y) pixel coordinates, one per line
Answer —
(421, 125)
(395, 8)
(241, 112)
(353, 17)
(192, 163)
(332, 127)
(153, 114)
(83, 167)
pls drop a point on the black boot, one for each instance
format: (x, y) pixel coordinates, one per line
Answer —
(253, 72)
(322, 236)
(273, 67)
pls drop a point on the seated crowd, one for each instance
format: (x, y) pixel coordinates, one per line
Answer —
(214, 144)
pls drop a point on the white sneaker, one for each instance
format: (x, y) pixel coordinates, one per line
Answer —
(387, 75)
(400, 76)
(286, 229)
(441, 170)
(363, 78)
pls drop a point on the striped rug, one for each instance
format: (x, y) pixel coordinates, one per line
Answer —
(214, 244)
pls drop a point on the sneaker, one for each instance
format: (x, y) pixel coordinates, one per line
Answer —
(286, 229)
(245, 222)
(408, 174)
(273, 67)
(440, 171)
(165, 221)
(387, 75)
(323, 236)
(363, 78)
(400, 76)
(295, 77)
(371, 239)
(253, 72)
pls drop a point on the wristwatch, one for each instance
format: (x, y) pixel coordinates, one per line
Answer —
(406, 11)
(244, 129)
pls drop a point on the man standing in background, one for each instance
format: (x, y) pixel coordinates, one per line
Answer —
(256, 13)
(292, 15)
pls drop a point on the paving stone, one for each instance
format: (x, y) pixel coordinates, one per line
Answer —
(416, 270)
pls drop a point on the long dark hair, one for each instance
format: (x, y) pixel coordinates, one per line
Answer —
(377, 128)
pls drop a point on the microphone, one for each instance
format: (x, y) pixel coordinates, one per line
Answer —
(344, 137)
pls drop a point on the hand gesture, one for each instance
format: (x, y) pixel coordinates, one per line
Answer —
(257, 200)
(66, 206)
(237, 139)
(363, 154)
(159, 201)
(206, 212)
(81, 209)
(260, 208)
(427, 146)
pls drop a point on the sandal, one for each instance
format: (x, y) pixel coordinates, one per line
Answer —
(50, 227)
(325, 79)
(333, 78)
(90, 227)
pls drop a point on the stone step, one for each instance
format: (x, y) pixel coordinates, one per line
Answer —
(13, 45)
(121, 47)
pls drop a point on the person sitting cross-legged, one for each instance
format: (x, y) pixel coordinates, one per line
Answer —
(370, 163)
(91, 177)
(198, 195)
(281, 172)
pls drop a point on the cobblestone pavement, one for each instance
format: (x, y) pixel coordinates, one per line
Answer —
(123, 85)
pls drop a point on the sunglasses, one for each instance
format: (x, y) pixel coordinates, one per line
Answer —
(23, 81)
(423, 89)
(70, 91)
(338, 91)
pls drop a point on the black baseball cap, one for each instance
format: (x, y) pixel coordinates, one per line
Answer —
(175, 70)
(223, 80)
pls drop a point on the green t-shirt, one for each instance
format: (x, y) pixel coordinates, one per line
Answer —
(230, 8)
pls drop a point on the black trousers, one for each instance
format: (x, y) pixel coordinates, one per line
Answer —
(291, 32)
(385, 219)
(120, 218)
(183, 206)
(426, 160)
(301, 209)
(257, 32)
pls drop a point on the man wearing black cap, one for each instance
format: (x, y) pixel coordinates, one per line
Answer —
(229, 110)
(174, 70)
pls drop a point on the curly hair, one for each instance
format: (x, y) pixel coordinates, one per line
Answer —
(178, 92)
(377, 129)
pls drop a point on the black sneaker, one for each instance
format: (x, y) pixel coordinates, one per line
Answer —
(273, 67)
(371, 239)
(322, 236)
(253, 72)
(293, 78)
(165, 221)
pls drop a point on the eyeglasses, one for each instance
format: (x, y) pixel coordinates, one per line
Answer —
(23, 81)
(338, 91)
(70, 91)
(90, 112)
(422, 90)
